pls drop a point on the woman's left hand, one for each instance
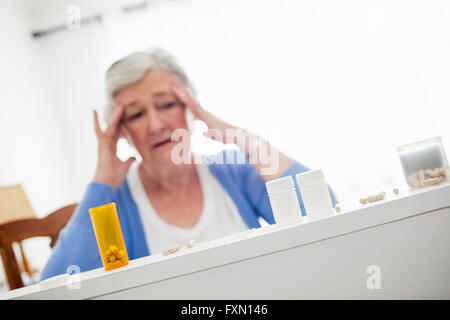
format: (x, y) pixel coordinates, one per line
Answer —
(213, 123)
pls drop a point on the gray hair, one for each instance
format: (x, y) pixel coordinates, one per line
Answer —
(133, 67)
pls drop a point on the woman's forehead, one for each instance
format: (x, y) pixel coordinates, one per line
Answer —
(155, 83)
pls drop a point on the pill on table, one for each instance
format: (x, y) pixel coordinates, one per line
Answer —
(191, 243)
(396, 191)
(363, 200)
(337, 208)
(376, 197)
(172, 250)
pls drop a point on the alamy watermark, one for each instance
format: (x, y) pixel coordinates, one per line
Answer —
(257, 150)
(374, 280)
(73, 21)
(74, 279)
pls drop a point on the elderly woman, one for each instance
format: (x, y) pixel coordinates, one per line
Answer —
(161, 202)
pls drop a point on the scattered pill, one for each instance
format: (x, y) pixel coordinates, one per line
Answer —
(337, 208)
(376, 197)
(172, 250)
(395, 191)
(373, 198)
(191, 243)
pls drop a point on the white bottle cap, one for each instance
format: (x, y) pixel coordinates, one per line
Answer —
(280, 185)
(309, 178)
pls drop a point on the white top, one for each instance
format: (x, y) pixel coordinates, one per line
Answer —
(220, 216)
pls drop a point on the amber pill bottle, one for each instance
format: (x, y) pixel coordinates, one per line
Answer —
(109, 236)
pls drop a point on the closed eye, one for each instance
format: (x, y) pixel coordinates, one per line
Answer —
(167, 105)
(136, 115)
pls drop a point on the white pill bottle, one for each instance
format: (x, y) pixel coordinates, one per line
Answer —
(315, 195)
(284, 201)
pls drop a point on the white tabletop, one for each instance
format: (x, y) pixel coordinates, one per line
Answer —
(404, 238)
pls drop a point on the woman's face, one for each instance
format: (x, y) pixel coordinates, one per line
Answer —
(151, 115)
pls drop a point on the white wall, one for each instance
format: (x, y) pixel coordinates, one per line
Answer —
(28, 123)
(30, 130)
(335, 84)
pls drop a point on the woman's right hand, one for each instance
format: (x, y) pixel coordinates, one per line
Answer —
(110, 169)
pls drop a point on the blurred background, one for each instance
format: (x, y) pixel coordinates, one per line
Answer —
(337, 85)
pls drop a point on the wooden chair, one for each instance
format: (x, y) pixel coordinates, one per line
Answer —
(19, 230)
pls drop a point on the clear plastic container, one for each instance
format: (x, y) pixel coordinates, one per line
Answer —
(424, 163)
(109, 236)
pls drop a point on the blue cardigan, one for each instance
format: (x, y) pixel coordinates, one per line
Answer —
(77, 244)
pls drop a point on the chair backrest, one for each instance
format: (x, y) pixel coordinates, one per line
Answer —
(19, 230)
(14, 204)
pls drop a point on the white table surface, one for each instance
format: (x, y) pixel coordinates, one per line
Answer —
(406, 237)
